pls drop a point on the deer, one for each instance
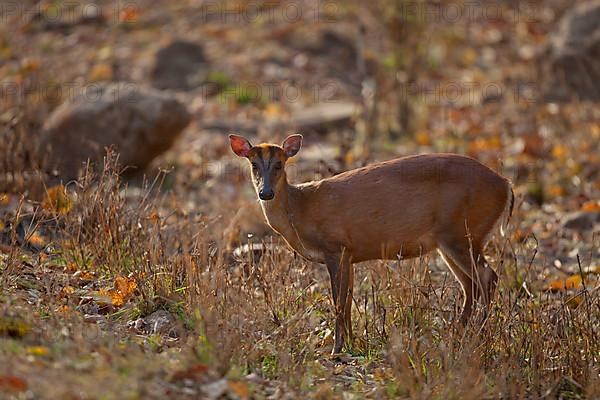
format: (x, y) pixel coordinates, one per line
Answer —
(390, 210)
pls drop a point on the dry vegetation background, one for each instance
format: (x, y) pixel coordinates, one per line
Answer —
(132, 287)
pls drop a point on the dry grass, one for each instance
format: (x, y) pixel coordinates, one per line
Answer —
(266, 321)
(272, 315)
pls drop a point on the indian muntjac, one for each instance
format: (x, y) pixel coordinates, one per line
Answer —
(394, 209)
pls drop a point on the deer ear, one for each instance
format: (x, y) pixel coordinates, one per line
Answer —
(291, 145)
(240, 145)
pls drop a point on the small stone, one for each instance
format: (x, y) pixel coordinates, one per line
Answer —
(581, 220)
(215, 389)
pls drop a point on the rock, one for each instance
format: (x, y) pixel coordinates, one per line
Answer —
(330, 43)
(94, 318)
(140, 123)
(61, 18)
(342, 50)
(216, 389)
(581, 220)
(323, 116)
(179, 66)
(160, 322)
(575, 55)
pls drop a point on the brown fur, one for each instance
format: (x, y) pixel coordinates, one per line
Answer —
(400, 208)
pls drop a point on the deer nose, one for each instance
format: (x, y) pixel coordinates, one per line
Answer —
(266, 194)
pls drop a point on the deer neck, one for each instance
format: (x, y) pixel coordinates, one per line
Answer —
(285, 217)
(279, 211)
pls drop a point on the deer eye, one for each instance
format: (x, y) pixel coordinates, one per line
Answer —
(254, 166)
(277, 166)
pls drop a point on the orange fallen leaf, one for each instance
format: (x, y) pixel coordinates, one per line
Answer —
(571, 282)
(37, 240)
(484, 144)
(85, 275)
(64, 309)
(101, 72)
(423, 138)
(193, 373)
(273, 111)
(240, 389)
(591, 206)
(125, 285)
(556, 191)
(66, 291)
(122, 291)
(57, 200)
(130, 14)
(116, 299)
(154, 216)
(560, 152)
(12, 383)
(71, 267)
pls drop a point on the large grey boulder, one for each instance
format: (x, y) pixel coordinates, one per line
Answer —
(139, 123)
(575, 55)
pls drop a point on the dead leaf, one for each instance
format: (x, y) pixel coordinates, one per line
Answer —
(533, 145)
(84, 275)
(469, 56)
(273, 111)
(193, 373)
(121, 291)
(12, 383)
(240, 389)
(560, 152)
(57, 200)
(571, 282)
(591, 206)
(484, 144)
(67, 291)
(556, 191)
(130, 14)
(37, 240)
(125, 285)
(423, 138)
(64, 309)
(101, 72)
(30, 64)
(40, 351)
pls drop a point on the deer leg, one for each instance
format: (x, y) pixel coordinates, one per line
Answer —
(488, 280)
(466, 284)
(340, 274)
(477, 279)
(348, 304)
